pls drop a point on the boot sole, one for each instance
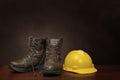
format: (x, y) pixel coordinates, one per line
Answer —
(24, 69)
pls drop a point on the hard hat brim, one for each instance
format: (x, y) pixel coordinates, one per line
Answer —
(82, 71)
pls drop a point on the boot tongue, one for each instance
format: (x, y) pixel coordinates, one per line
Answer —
(54, 42)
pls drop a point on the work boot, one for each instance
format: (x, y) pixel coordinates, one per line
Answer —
(34, 59)
(52, 64)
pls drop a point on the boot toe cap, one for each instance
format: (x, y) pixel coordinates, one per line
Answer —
(16, 64)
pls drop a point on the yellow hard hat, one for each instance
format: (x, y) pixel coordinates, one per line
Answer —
(79, 61)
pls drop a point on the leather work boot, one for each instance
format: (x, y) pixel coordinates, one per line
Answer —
(34, 59)
(52, 64)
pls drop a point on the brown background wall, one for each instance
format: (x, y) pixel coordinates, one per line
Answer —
(84, 24)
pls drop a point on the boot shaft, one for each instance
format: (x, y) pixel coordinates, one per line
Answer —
(53, 47)
(37, 43)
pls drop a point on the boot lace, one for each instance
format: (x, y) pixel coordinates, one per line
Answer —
(31, 56)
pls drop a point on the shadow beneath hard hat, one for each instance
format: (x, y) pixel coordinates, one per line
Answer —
(76, 76)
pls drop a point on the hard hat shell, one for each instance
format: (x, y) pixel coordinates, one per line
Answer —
(79, 61)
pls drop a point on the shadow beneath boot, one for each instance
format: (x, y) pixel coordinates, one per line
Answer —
(51, 75)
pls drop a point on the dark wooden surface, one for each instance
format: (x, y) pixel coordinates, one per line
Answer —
(105, 72)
